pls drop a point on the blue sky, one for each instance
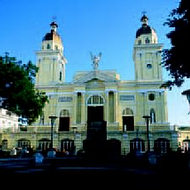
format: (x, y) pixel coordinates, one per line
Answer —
(106, 26)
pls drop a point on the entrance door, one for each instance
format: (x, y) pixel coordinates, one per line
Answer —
(64, 123)
(113, 148)
(128, 123)
(95, 113)
(96, 131)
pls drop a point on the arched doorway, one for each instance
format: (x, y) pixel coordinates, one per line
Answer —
(95, 108)
(137, 145)
(96, 126)
(24, 143)
(113, 148)
(68, 145)
(44, 144)
(161, 145)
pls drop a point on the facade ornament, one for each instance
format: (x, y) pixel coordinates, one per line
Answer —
(95, 60)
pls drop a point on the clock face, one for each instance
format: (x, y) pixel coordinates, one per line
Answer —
(149, 66)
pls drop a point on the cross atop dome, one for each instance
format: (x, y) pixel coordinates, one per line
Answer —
(54, 26)
(144, 19)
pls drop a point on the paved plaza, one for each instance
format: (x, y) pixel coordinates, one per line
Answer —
(74, 172)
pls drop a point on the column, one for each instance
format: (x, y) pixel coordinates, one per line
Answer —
(115, 105)
(79, 108)
(83, 114)
(74, 107)
(106, 106)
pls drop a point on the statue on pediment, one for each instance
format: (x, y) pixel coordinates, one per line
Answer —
(95, 60)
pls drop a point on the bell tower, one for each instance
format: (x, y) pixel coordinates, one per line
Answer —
(147, 53)
(50, 59)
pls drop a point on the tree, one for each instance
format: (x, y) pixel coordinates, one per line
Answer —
(176, 59)
(17, 90)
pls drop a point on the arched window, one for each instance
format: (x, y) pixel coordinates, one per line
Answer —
(95, 100)
(147, 40)
(64, 113)
(152, 116)
(161, 145)
(127, 112)
(137, 145)
(48, 46)
(60, 76)
(128, 120)
(139, 42)
(64, 120)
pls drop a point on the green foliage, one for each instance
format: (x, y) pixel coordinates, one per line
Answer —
(176, 59)
(17, 88)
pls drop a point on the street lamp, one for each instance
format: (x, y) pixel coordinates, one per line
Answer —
(147, 119)
(52, 118)
(187, 93)
(74, 145)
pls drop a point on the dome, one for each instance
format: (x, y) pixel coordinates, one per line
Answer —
(145, 28)
(53, 35)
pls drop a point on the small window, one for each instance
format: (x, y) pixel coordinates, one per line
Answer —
(56, 47)
(147, 41)
(139, 42)
(151, 97)
(95, 100)
(149, 66)
(60, 76)
(48, 46)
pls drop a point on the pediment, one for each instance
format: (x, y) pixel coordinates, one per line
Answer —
(104, 76)
(95, 83)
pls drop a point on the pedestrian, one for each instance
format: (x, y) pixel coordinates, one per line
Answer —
(38, 158)
(13, 152)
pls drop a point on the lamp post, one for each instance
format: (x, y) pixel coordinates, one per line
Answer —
(74, 145)
(52, 118)
(147, 119)
(187, 94)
